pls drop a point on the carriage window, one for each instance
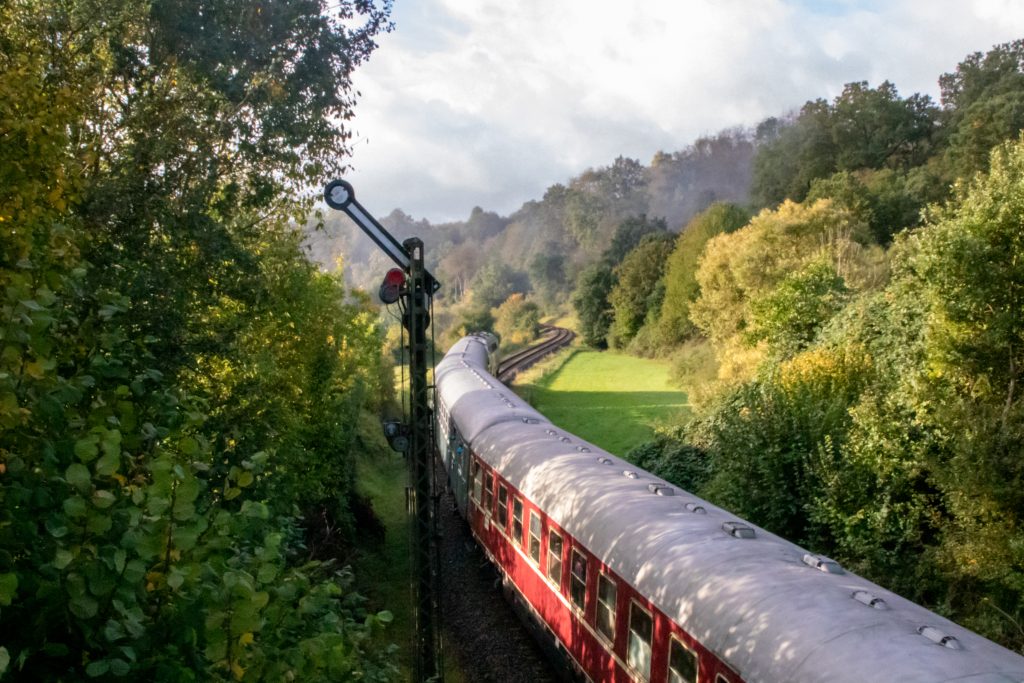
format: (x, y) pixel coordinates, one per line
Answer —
(502, 507)
(535, 537)
(606, 593)
(488, 493)
(682, 664)
(578, 580)
(721, 679)
(555, 558)
(517, 520)
(638, 650)
(475, 479)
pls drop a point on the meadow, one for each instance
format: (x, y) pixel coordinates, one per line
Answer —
(608, 398)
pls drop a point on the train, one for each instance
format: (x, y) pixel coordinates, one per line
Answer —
(627, 577)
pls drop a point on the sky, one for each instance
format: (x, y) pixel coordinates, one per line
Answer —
(489, 102)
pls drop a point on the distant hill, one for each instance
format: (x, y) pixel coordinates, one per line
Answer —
(574, 221)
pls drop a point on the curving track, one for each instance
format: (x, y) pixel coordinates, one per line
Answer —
(554, 338)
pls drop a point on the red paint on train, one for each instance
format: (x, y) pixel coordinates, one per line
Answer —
(553, 605)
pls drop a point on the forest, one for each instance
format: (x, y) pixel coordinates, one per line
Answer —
(182, 393)
(839, 290)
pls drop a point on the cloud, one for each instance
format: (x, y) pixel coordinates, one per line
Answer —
(489, 102)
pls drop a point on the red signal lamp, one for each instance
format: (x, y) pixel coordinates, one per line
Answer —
(391, 288)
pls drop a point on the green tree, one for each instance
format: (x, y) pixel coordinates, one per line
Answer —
(789, 317)
(517, 320)
(158, 315)
(681, 288)
(629, 234)
(968, 267)
(638, 291)
(547, 274)
(863, 128)
(495, 282)
(983, 101)
(590, 300)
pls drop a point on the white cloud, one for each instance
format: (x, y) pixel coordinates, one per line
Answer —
(488, 102)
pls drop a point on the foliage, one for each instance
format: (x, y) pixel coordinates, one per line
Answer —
(983, 101)
(788, 318)
(495, 282)
(681, 288)
(469, 319)
(742, 267)
(863, 128)
(770, 430)
(714, 168)
(590, 300)
(517, 320)
(176, 382)
(670, 457)
(628, 236)
(547, 275)
(887, 432)
(968, 269)
(639, 290)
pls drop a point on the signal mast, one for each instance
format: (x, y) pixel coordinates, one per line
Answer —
(415, 286)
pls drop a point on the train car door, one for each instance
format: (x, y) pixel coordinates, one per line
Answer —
(459, 472)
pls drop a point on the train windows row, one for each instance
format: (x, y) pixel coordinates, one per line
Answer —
(682, 665)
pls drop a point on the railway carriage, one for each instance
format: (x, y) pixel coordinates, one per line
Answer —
(629, 578)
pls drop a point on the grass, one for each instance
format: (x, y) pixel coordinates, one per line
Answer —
(608, 398)
(382, 572)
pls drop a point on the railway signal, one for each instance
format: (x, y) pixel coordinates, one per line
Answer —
(412, 283)
(391, 288)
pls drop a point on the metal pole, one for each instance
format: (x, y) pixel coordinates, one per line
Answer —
(421, 466)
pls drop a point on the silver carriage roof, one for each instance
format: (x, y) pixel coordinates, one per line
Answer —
(755, 602)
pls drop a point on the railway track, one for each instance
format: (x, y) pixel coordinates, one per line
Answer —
(553, 339)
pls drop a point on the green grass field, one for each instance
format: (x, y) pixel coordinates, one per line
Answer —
(607, 398)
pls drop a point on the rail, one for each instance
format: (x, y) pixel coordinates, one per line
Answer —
(553, 339)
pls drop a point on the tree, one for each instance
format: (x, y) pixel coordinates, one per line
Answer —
(495, 282)
(628, 235)
(590, 300)
(174, 372)
(681, 288)
(863, 128)
(983, 100)
(517, 320)
(636, 294)
(969, 268)
(789, 317)
(547, 274)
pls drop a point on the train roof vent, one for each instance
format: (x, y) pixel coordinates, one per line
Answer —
(531, 421)
(565, 439)
(869, 599)
(582, 449)
(551, 432)
(661, 489)
(630, 474)
(939, 638)
(738, 530)
(822, 563)
(696, 509)
(605, 461)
